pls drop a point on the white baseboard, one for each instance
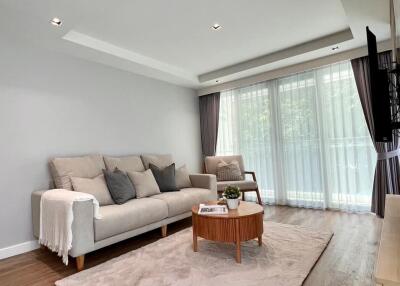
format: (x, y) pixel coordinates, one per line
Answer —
(18, 248)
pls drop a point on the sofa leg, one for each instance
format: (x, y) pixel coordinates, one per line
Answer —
(164, 231)
(243, 196)
(80, 262)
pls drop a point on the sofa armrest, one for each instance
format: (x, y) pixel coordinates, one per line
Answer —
(205, 181)
(82, 225)
(35, 206)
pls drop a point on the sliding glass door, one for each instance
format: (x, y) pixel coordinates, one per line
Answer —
(305, 136)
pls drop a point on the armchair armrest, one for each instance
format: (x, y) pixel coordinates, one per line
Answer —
(252, 173)
(205, 181)
(82, 225)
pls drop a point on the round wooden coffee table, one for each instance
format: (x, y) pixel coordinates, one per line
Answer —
(238, 225)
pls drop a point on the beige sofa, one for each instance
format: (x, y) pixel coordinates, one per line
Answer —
(120, 222)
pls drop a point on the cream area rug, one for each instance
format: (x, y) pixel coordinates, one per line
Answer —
(286, 257)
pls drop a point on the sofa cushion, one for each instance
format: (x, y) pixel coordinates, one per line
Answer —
(243, 185)
(126, 163)
(161, 161)
(119, 185)
(165, 177)
(183, 200)
(117, 219)
(96, 187)
(200, 195)
(145, 184)
(182, 178)
(62, 169)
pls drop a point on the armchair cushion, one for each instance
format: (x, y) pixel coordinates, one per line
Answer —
(229, 171)
(243, 185)
(211, 163)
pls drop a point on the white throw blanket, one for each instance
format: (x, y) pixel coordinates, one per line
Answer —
(56, 216)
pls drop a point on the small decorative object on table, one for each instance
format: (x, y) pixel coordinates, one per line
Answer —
(232, 194)
(212, 209)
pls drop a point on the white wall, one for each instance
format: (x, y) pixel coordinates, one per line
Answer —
(53, 104)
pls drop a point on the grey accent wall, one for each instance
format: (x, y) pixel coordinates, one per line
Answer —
(52, 104)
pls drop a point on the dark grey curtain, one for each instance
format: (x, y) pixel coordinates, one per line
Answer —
(387, 171)
(209, 118)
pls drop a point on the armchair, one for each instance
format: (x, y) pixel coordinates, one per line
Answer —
(211, 163)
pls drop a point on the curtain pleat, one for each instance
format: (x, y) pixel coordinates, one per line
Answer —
(209, 122)
(305, 137)
(387, 171)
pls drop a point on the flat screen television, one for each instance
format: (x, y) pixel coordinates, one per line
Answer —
(379, 87)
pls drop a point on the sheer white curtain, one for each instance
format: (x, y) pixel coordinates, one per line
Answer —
(305, 136)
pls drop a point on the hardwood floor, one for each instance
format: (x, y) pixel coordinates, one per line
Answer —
(348, 260)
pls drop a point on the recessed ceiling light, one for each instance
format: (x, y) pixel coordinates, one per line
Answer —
(216, 26)
(217, 81)
(56, 22)
(335, 48)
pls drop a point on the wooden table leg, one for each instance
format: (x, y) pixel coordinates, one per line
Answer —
(194, 229)
(259, 240)
(238, 254)
(194, 242)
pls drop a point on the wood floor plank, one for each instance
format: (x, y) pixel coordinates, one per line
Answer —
(348, 260)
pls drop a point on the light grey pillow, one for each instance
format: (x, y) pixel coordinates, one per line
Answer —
(63, 168)
(229, 171)
(145, 183)
(182, 178)
(96, 187)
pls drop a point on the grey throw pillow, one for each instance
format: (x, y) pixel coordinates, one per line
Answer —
(119, 185)
(165, 177)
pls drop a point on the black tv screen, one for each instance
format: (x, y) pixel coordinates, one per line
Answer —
(379, 87)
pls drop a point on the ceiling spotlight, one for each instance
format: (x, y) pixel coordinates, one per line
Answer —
(217, 81)
(56, 22)
(335, 48)
(216, 26)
